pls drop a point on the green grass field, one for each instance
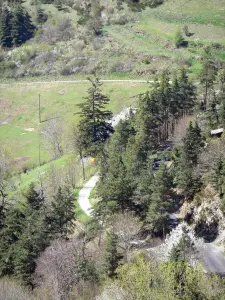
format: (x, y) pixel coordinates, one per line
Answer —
(153, 35)
(19, 108)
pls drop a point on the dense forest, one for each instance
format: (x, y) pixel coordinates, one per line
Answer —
(156, 225)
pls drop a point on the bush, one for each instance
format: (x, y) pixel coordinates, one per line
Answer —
(63, 31)
(178, 38)
(186, 30)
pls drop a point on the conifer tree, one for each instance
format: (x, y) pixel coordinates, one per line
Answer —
(192, 144)
(33, 240)
(22, 27)
(160, 201)
(212, 114)
(187, 93)
(95, 126)
(147, 123)
(62, 216)
(34, 199)
(207, 78)
(6, 28)
(14, 224)
(178, 38)
(111, 255)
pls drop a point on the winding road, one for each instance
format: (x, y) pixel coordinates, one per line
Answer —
(213, 259)
(84, 194)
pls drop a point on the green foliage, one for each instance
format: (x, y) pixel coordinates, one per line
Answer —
(6, 28)
(15, 27)
(186, 30)
(186, 159)
(127, 177)
(160, 201)
(221, 111)
(34, 199)
(178, 39)
(62, 216)
(184, 249)
(23, 237)
(41, 16)
(94, 127)
(192, 144)
(111, 254)
(144, 279)
(207, 78)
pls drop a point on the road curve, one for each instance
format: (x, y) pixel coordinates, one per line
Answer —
(83, 198)
(84, 194)
(214, 259)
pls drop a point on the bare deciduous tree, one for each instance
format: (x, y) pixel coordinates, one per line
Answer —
(75, 144)
(55, 270)
(12, 290)
(126, 226)
(53, 133)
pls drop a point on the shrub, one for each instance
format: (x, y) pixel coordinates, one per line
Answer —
(186, 30)
(178, 38)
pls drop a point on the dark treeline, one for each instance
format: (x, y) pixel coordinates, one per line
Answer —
(16, 26)
(28, 227)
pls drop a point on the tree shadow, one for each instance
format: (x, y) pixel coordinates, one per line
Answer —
(208, 232)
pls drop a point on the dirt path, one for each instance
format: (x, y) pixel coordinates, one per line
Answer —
(78, 81)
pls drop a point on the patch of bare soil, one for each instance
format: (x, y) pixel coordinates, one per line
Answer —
(20, 109)
(4, 104)
(20, 160)
(6, 120)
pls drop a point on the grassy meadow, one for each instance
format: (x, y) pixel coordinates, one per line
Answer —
(20, 129)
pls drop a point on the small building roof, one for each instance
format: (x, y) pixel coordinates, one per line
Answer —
(217, 131)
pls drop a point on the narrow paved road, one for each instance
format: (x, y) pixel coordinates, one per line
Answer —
(84, 194)
(214, 259)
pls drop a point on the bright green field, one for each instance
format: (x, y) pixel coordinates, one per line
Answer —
(153, 34)
(19, 107)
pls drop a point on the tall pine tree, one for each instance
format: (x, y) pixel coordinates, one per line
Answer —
(6, 28)
(95, 126)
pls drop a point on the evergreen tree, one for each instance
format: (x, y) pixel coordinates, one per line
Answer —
(178, 38)
(22, 27)
(33, 198)
(33, 240)
(192, 144)
(6, 28)
(111, 255)
(143, 189)
(62, 216)
(187, 93)
(160, 201)
(207, 78)
(94, 126)
(212, 114)
(147, 124)
(221, 77)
